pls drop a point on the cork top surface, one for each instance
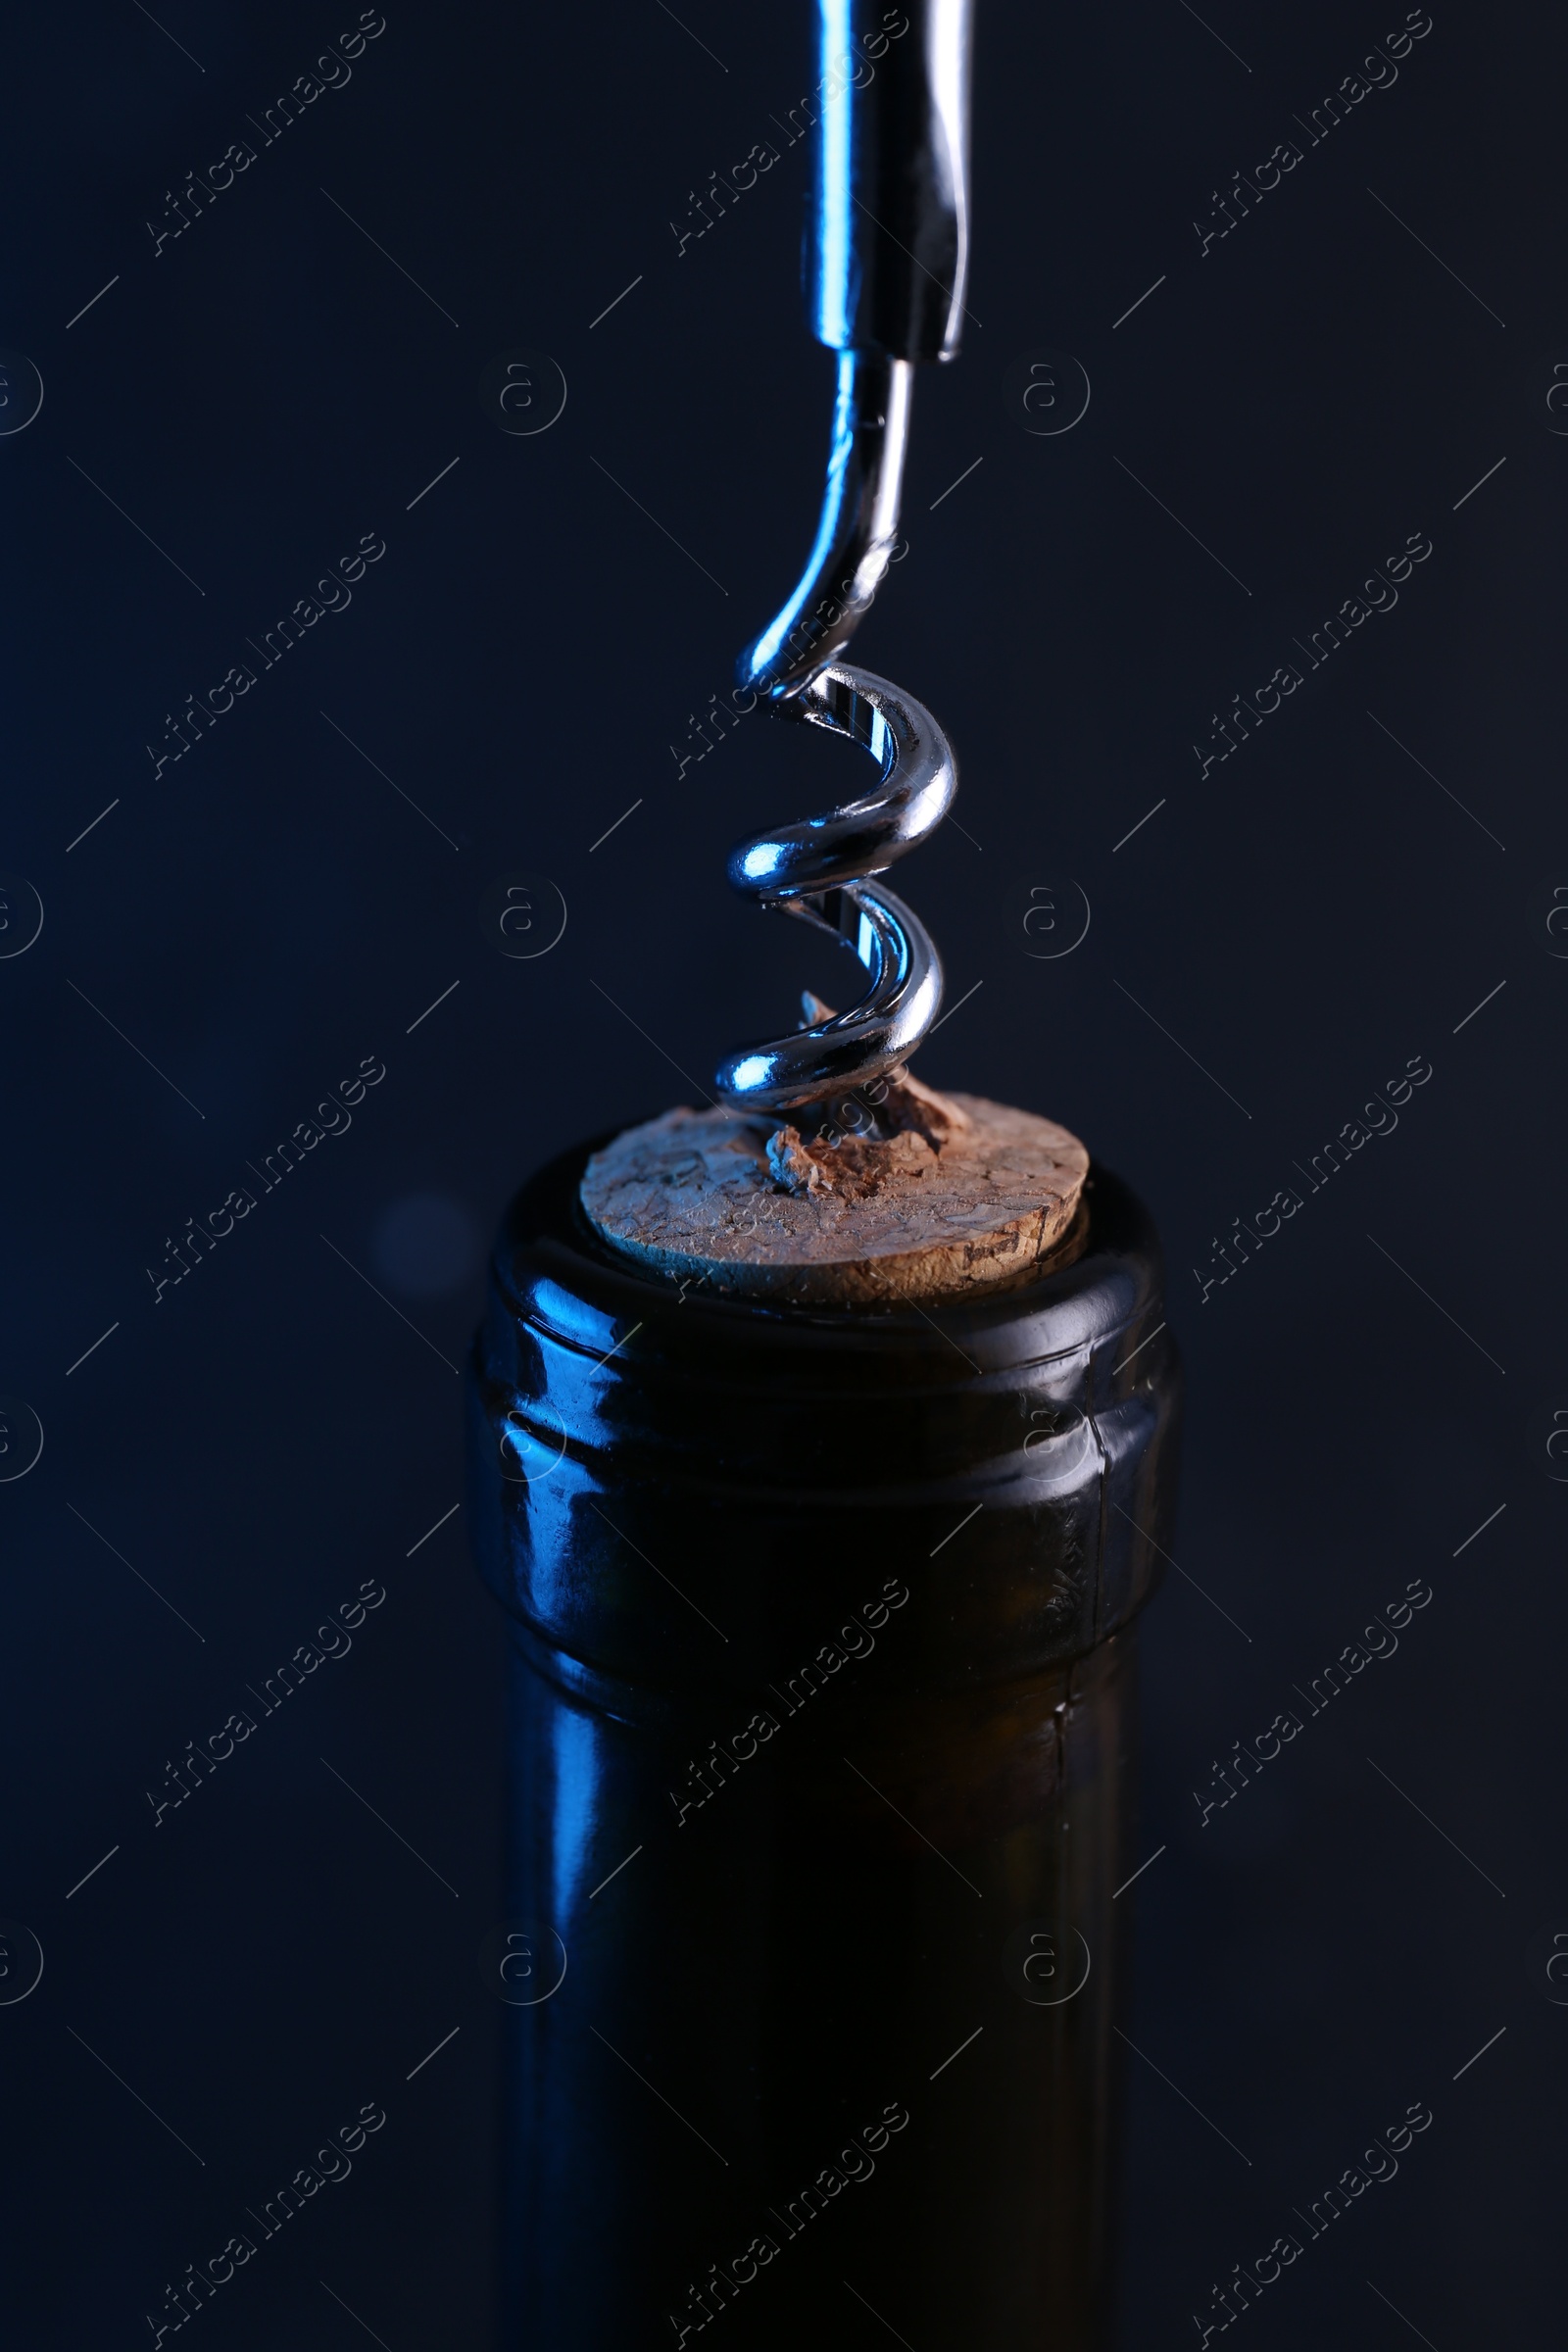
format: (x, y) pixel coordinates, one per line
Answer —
(970, 1197)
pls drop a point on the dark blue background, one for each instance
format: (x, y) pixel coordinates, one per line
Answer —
(269, 910)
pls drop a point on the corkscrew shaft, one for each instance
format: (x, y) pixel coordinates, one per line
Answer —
(891, 264)
(855, 536)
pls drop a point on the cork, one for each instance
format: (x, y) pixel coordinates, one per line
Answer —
(966, 1196)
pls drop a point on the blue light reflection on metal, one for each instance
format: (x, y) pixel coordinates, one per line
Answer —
(837, 252)
(841, 502)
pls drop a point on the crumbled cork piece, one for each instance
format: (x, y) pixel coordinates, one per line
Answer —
(966, 1195)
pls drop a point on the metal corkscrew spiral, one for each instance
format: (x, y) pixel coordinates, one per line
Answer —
(891, 263)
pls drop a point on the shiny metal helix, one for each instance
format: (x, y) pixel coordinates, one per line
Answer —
(891, 263)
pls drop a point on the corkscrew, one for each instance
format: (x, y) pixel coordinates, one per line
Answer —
(891, 260)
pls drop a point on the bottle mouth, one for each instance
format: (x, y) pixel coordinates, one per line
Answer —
(673, 1489)
(553, 1266)
(899, 1197)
